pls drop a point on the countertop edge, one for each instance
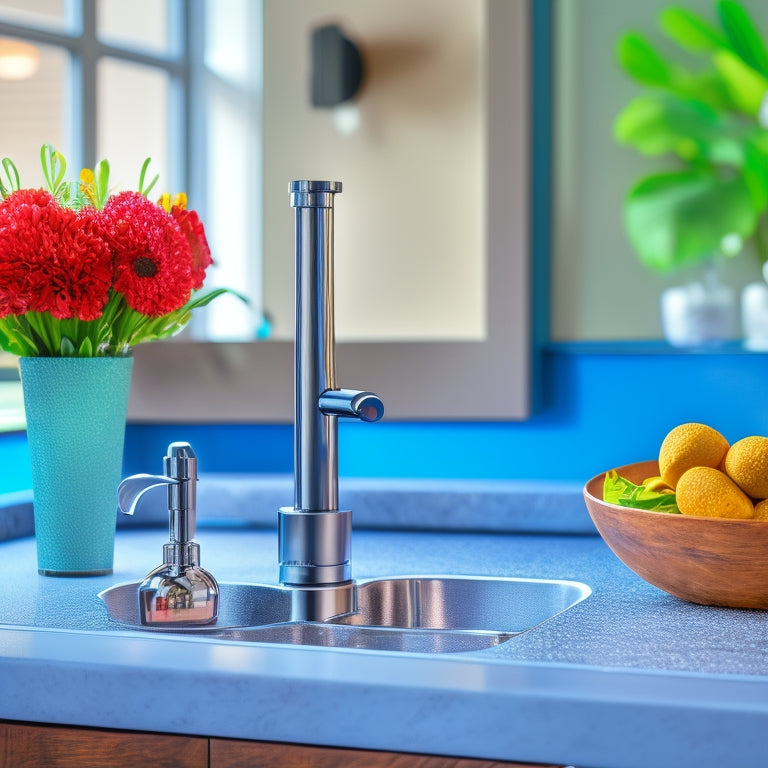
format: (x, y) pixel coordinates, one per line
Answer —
(499, 709)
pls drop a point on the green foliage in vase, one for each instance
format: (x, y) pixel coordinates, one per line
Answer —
(711, 120)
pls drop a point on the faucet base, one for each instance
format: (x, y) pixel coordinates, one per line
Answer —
(323, 603)
(314, 547)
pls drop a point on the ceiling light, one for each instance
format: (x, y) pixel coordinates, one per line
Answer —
(18, 60)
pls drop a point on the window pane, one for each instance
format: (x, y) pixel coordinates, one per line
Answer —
(233, 223)
(233, 220)
(132, 122)
(33, 114)
(138, 24)
(230, 29)
(38, 12)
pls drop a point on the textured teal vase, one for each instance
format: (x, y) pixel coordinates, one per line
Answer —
(76, 410)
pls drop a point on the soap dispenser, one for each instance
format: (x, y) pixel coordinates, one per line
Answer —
(179, 592)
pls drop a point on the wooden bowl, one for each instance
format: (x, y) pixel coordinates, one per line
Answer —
(708, 560)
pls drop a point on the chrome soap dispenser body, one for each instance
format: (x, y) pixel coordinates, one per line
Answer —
(179, 592)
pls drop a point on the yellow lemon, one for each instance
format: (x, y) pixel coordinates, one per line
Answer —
(761, 510)
(690, 445)
(747, 465)
(708, 492)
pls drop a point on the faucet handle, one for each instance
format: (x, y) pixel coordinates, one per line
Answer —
(366, 406)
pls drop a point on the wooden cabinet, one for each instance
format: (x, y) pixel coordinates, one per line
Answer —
(24, 745)
(228, 753)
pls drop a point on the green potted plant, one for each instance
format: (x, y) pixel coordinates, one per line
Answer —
(709, 117)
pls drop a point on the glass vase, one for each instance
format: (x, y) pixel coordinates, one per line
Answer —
(76, 410)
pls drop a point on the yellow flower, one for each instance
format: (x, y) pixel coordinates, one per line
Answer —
(178, 201)
(88, 185)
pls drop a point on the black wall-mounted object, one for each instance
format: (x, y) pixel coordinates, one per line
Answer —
(337, 67)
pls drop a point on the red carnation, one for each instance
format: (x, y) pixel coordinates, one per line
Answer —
(19, 215)
(52, 259)
(194, 231)
(153, 259)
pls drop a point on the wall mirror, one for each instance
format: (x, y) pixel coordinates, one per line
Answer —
(432, 232)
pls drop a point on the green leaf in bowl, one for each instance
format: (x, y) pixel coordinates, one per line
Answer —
(619, 490)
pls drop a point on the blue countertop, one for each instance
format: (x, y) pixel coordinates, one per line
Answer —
(629, 678)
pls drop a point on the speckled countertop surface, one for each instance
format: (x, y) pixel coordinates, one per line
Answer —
(629, 677)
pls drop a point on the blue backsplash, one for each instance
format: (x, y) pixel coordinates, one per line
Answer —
(598, 409)
(15, 469)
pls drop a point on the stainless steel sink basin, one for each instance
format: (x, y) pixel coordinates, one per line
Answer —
(429, 614)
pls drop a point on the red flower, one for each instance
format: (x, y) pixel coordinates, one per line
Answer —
(194, 231)
(19, 215)
(52, 259)
(152, 257)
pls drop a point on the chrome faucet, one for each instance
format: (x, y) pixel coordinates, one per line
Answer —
(314, 535)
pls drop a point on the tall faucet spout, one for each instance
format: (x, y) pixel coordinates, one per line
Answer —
(314, 534)
(315, 435)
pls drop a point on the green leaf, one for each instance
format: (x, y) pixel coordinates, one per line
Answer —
(203, 299)
(54, 169)
(142, 177)
(15, 339)
(661, 123)
(12, 178)
(643, 62)
(744, 37)
(755, 169)
(691, 31)
(761, 239)
(86, 348)
(746, 86)
(619, 490)
(101, 176)
(67, 348)
(680, 218)
(709, 88)
(59, 169)
(46, 161)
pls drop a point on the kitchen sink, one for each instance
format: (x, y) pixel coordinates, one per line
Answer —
(422, 614)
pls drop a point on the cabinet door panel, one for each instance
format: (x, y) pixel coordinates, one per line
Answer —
(34, 746)
(227, 753)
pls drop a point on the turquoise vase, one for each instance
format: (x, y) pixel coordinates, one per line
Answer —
(76, 410)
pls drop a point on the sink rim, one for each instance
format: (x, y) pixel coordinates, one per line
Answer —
(581, 590)
(580, 585)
